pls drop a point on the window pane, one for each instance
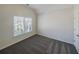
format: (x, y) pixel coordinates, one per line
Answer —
(18, 25)
(28, 24)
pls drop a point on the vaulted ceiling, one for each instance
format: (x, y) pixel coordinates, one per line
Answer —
(45, 8)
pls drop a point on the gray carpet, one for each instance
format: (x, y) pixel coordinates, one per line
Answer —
(38, 44)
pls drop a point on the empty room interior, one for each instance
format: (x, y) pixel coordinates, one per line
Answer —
(39, 29)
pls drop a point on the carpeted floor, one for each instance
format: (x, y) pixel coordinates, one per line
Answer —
(38, 44)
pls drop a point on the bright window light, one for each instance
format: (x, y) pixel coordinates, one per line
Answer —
(22, 25)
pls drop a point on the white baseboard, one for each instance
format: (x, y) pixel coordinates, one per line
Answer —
(5, 46)
(56, 39)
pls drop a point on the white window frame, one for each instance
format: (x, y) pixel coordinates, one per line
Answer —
(25, 23)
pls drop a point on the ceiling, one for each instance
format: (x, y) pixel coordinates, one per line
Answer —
(45, 8)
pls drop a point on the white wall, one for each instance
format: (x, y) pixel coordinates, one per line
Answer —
(58, 24)
(76, 27)
(6, 23)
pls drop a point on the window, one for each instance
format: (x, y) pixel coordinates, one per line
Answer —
(22, 25)
(28, 24)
